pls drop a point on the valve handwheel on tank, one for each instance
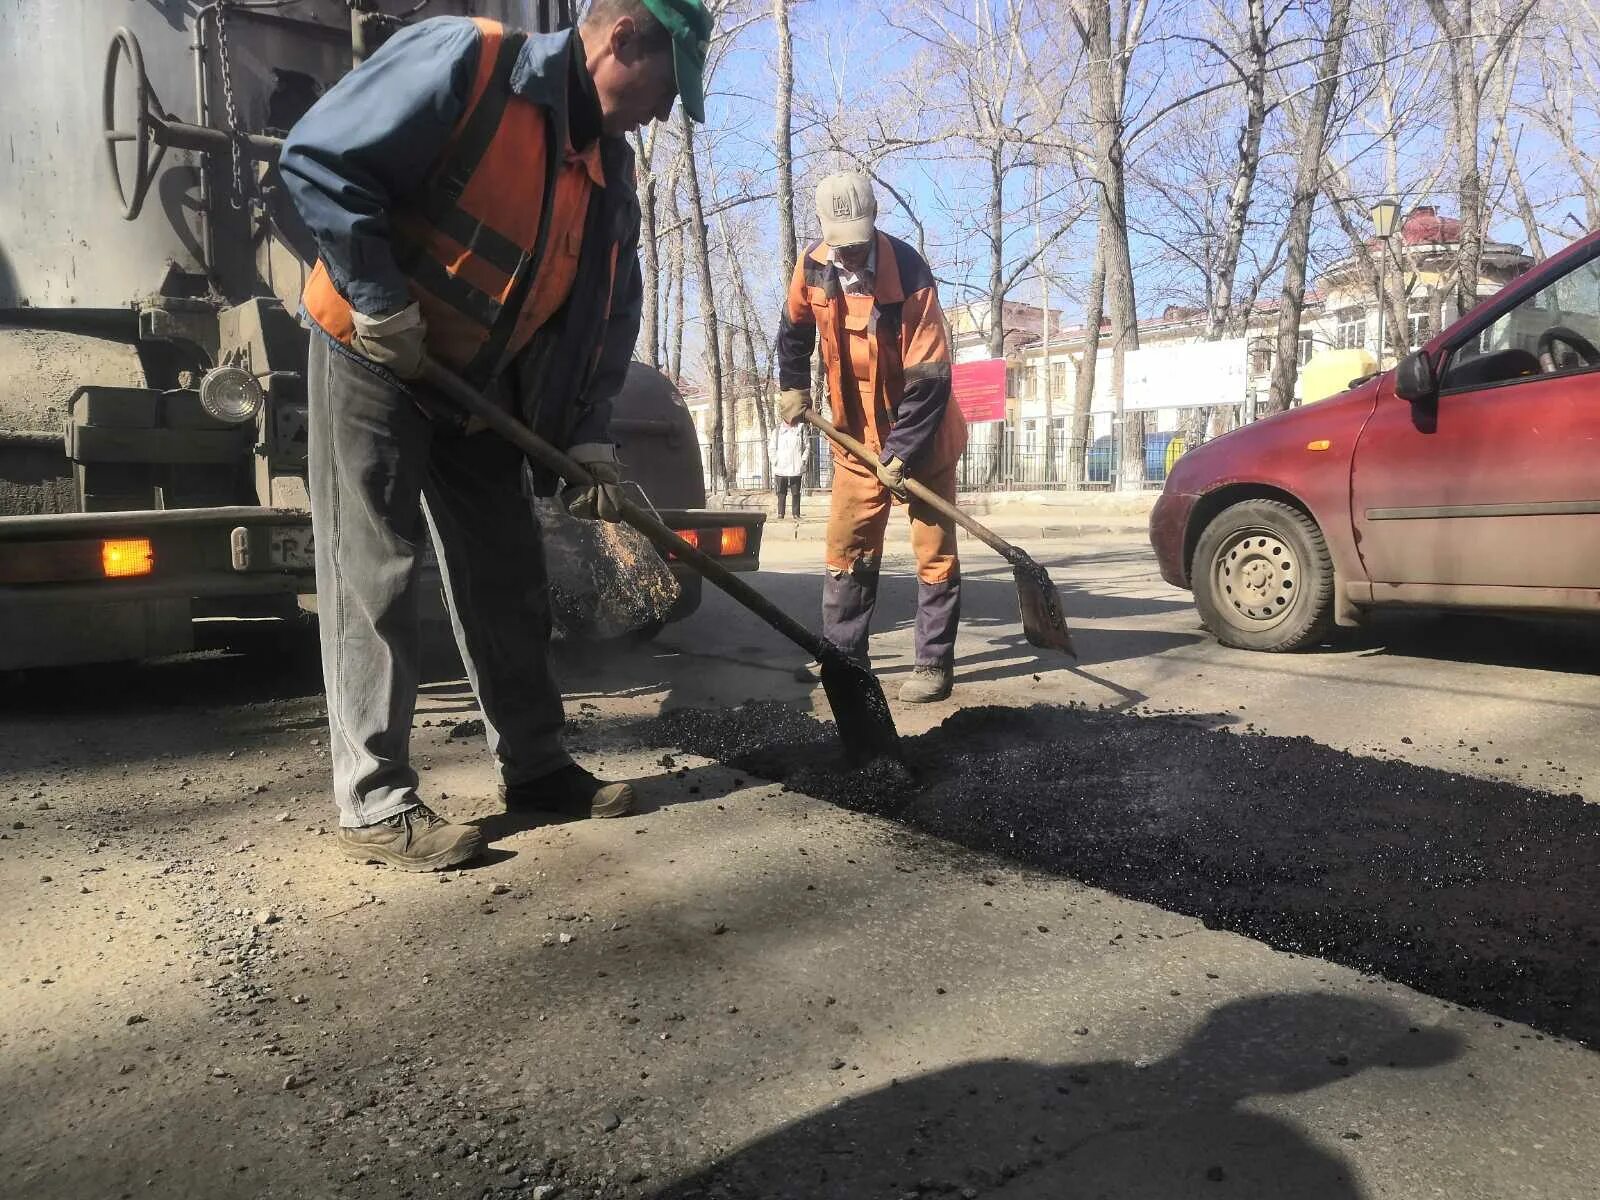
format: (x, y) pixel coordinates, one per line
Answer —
(155, 130)
(147, 151)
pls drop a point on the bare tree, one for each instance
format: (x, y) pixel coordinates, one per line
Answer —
(1565, 99)
(757, 376)
(1308, 183)
(783, 141)
(857, 120)
(1207, 172)
(720, 450)
(1094, 308)
(649, 246)
(1507, 141)
(1250, 64)
(677, 259)
(733, 455)
(1109, 40)
(987, 85)
(1392, 62)
(1470, 75)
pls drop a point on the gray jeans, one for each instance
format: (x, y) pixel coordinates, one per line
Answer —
(381, 478)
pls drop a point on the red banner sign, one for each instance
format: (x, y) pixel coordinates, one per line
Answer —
(980, 389)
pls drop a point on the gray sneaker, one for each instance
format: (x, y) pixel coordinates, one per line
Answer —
(415, 840)
(928, 683)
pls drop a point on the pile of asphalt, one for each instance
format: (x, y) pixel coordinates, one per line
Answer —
(1480, 892)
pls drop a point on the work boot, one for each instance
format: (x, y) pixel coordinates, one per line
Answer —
(570, 791)
(928, 683)
(415, 840)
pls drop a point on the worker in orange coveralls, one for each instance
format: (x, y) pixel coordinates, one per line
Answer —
(887, 356)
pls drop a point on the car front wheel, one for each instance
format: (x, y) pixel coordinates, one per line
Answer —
(1263, 579)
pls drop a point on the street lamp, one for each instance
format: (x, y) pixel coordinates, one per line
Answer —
(1383, 215)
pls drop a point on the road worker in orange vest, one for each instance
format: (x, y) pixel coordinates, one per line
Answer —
(886, 353)
(470, 189)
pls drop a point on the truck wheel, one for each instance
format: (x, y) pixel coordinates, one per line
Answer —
(1263, 579)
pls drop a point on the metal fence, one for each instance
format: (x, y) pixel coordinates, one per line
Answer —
(1005, 457)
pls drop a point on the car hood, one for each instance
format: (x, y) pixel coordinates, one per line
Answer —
(1201, 467)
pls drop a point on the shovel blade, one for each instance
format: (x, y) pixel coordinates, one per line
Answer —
(1043, 619)
(860, 710)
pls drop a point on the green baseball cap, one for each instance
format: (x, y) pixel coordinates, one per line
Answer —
(689, 25)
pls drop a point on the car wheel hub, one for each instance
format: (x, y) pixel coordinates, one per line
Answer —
(1256, 575)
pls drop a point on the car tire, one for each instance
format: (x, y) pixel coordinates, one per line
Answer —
(1263, 578)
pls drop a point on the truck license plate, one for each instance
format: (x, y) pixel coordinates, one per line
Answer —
(289, 547)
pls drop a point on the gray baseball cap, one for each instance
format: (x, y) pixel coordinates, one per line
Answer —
(847, 209)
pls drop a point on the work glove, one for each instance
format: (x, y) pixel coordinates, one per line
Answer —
(892, 475)
(601, 501)
(792, 402)
(393, 342)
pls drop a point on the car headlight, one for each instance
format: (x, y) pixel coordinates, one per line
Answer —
(231, 394)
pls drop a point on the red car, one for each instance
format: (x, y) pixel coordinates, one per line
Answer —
(1467, 476)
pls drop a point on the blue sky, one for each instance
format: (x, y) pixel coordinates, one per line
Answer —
(852, 48)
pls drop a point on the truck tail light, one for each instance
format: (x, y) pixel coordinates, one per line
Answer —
(730, 541)
(78, 560)
(126, 558)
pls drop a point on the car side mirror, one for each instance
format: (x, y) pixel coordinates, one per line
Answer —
(1414, 379)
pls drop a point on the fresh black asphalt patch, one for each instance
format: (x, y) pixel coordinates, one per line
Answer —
(1480, 892)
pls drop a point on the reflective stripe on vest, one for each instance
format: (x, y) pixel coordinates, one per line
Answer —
(472, 244)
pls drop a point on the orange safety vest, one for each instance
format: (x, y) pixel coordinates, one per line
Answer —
(870, 359)
(478, 234)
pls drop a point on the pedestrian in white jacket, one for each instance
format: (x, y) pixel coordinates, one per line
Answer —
(791, 450)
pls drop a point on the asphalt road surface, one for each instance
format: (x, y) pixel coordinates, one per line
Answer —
(1064, 962)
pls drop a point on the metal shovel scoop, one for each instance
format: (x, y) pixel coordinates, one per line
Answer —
(1043, 621)
(860, 709)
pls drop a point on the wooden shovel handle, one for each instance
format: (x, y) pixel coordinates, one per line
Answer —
(921, 491)
(663, 538)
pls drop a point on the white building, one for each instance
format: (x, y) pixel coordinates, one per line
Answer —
(1188, 387)
(1180, 386)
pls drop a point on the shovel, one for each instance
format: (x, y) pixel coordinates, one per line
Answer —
(1042, 619)
(859, 708)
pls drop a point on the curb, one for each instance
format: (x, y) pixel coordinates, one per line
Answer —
(1011, 532)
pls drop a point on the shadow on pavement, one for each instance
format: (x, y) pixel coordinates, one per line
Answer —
(1567, 645)
(249, 662)
(1175, 1127)
(686, 785)
(253, 662)
(990, 639)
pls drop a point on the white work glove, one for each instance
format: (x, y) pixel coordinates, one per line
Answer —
(603, 500)
(792, 403)
(892, 475)
(393, 342)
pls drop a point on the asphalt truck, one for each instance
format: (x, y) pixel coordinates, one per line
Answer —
(153, 423)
